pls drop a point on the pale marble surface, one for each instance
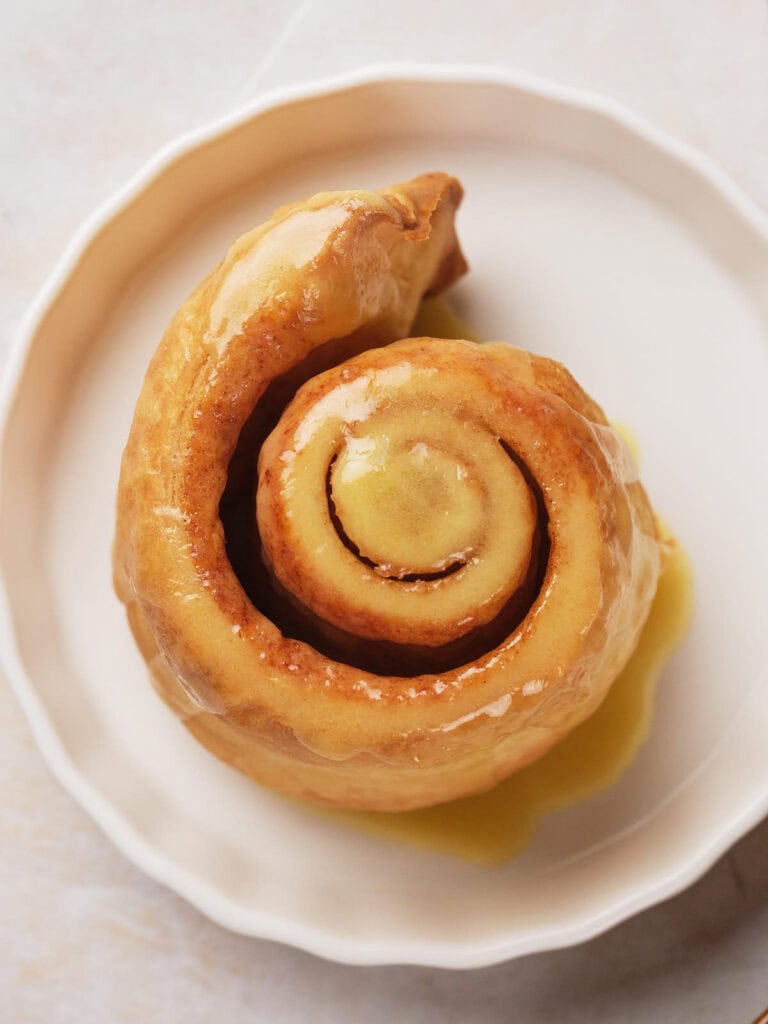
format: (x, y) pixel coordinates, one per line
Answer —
(89, 92)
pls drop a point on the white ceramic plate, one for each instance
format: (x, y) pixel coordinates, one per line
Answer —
(592, 239)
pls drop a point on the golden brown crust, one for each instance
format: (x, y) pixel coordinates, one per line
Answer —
(322, 280)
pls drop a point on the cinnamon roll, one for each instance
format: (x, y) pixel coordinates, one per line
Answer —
(367, 571)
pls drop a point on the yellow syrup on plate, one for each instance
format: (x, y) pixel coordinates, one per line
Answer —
(491, 827)
(436, 319)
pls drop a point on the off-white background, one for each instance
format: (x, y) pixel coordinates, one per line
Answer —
(88, 92)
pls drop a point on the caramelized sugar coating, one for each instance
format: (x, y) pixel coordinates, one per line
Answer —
(409, 577)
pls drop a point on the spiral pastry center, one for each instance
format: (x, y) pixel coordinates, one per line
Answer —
(414, 511)
(389, 508)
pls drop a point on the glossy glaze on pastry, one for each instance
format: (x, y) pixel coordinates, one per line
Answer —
(372, 572)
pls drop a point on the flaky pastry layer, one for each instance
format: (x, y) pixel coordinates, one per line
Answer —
(409, 577)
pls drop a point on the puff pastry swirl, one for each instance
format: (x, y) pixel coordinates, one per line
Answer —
(367, 571)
